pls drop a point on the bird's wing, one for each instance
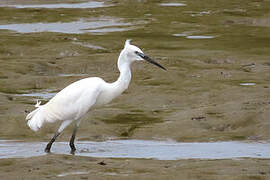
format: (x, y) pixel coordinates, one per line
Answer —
(75, 100)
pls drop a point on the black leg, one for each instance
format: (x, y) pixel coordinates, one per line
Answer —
(49, 145)
(71, 142)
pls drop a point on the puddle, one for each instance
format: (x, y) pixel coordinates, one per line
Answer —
(162, 150)
(200, 37)
(195, 13)
(92, 4)
(72, 173)
(107, 30)
(43, 95)
(75, 27)
(180, 35)
(172, 4)
(247, 84)
(192, 37)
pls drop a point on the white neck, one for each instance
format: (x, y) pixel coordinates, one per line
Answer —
(112, 90)
(124, 78)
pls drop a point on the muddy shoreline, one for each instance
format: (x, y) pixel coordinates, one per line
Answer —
(70, 167)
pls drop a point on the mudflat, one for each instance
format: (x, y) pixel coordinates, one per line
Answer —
(76, 167)
(216, 87)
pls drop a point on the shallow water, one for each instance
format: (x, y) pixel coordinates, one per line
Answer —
(206, 95)
(85, 5)
(247, 84)
(42, 95)
(172, 4)
(102, 25)
(72, 173)
(200, 37)
(192, 37)
(162, 150)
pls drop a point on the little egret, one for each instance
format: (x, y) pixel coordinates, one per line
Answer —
(74, 101)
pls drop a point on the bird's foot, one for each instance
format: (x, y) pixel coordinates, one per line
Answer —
(73, 149)
(47, 150)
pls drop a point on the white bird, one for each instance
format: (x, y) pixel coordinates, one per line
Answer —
(74, 101)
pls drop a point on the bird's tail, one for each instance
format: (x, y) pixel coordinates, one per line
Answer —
(36, 118)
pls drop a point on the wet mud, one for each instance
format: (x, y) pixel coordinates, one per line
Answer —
(78, 167)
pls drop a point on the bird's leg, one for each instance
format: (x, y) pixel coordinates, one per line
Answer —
(71, 142)
(49, 145)
(61, 128)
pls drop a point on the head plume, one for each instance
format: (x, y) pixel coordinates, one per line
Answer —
(127, 42)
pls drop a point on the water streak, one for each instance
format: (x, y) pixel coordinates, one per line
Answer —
(72, 173)
(43, 95)
(172, 4)
(247, 84)
(200, 37)
(92, 4)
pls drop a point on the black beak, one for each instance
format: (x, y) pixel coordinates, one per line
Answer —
(148, 59)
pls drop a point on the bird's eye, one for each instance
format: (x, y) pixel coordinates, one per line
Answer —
(136, 52)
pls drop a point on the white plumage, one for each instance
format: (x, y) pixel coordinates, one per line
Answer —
(74, 101)
(69, 104)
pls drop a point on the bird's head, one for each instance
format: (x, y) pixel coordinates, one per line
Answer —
(133, 53)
